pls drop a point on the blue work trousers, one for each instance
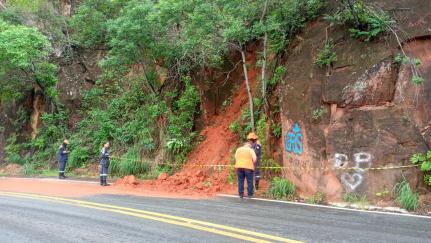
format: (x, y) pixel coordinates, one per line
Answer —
(242, 175)
(62, 166)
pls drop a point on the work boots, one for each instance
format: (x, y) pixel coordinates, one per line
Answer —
(103, 181)
(256, 185)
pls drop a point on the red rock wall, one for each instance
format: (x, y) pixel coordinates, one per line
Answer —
(374, 115)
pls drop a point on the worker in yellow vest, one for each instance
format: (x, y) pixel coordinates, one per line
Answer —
(245, 159)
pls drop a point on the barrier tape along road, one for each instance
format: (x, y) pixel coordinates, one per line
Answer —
(280, 167)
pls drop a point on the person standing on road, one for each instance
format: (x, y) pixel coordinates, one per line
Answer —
(104, 164)
(257, 148)
(245, 159)
(63, 156)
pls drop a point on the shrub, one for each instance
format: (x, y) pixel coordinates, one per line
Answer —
(279, 72)
(326, 56)
(318, 113)
(405, 197)
(78, 157)
(276, 130)
(417, 79)
(282, 188)
(370, 21)
(424, 161)
(234, 127)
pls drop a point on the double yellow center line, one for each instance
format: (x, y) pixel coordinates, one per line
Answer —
(219, 229)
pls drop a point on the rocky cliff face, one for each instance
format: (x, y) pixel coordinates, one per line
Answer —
(371, 114)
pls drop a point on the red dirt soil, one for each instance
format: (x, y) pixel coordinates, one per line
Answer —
(69, 188)
(197, 177)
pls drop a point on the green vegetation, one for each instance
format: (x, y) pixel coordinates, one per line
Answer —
(424, 161)
(276, 130)
(144, 113)
(383, 193)
(326, 56)
(317, 198)
(365, 21)
(413, 63)
(234, 127)
(24, 62)
(350, 197)
(318, 113)
(405, 197)
(282, 188)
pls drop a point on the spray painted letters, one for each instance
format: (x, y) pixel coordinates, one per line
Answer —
(293, 140)
(362, 161)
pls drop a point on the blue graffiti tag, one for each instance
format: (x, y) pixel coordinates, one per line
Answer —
(293, 140)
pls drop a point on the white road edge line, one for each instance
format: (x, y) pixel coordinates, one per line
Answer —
(325, 206)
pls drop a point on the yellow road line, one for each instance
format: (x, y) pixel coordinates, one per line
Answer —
(170, 219)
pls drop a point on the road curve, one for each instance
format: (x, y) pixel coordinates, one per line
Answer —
(113, 218)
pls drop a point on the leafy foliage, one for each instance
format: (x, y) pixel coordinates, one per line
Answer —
(326, 56)
(276, 130)
(24, 61)
(96, 15)
(424, 160)
(365, 22)
(143, 113)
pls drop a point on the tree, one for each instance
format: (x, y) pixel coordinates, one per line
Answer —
(24, 62)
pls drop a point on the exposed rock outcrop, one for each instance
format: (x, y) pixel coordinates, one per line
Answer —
(372, 115)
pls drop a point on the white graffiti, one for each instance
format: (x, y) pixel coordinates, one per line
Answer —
(362, 161)
(352, 181)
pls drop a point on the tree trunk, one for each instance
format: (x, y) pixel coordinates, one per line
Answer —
(247, 84)
(263, 74)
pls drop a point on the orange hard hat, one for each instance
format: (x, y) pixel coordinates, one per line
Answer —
(252, 135)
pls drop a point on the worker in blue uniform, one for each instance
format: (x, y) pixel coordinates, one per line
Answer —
(104, 164)
(63, 156)
(257, 147)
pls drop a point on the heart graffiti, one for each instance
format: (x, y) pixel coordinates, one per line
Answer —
(352, 181)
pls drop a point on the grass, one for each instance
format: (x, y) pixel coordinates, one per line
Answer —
(405, 196)
(282, 188)
(354, 198)
(317, 198)
(49, 173)
(130, 164)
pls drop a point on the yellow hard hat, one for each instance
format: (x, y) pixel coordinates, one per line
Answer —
(252, 136)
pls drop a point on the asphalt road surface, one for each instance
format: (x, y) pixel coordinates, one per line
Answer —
(113, 218)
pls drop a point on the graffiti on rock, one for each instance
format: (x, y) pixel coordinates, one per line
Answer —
(293, 140)
(361, 160)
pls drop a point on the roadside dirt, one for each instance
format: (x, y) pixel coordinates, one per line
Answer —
(70, 188)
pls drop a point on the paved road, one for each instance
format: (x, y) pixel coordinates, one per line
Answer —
(135, 219)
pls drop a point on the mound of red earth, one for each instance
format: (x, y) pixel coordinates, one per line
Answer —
(199, 175)
(129, 180)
